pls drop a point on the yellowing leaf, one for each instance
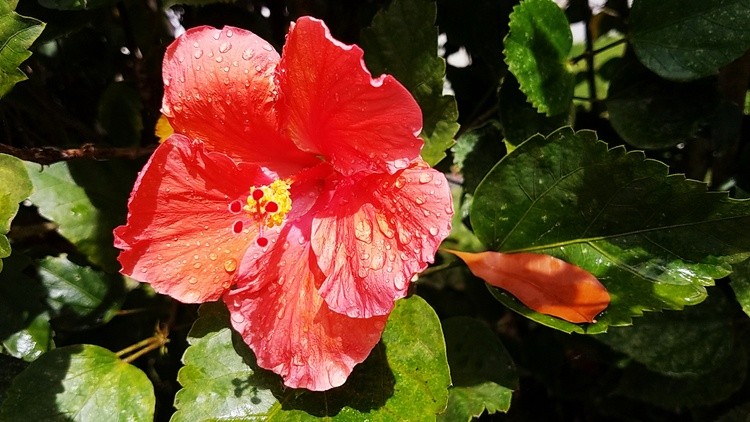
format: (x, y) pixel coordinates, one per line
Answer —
(542, 282)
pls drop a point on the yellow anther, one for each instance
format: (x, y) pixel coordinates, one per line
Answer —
(270, 203)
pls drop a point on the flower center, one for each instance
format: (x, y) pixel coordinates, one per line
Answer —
(269, 204)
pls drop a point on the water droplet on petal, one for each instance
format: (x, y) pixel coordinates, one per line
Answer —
(247, 54)
(225, 46)
(433, 231)
(216, 35)
(229, 33)
(230, 265)
(425, 178)
(212, 256)
(237, 317)
(399, 281)
(192, 280)
(258, 68)
(197, 265)
(198, 54)
(191, 296)
(363, 231)
(268, 47)
(219, 59)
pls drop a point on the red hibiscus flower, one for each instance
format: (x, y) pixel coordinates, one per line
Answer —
(292, 189)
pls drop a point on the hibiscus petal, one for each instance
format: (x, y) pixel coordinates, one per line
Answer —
(289, 326)
(331, 106)
(219, 88)
(375, 234)
(178, 236)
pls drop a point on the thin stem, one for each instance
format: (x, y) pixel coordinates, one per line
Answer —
(50, 155)
(136, 346)
(592, 53)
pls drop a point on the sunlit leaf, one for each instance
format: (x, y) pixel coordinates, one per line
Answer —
(409, 367)
(536, 51)
(402, 41)
(15, 187)
(741, 285)
(86, 200)
(544, 283)
(78, 295)
(484, 375)
(82, 382)
(17, 33)
(689, 39)
(654, 240)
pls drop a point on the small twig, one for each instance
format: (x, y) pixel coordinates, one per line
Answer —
(159, 339)
(592, 53)
(50, 155)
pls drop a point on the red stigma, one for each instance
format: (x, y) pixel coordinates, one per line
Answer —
(235, 207)
(237, 227)
(262, 242)
(257, 194)
(272, 206)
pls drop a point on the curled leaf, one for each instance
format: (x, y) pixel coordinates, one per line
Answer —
(542, 282)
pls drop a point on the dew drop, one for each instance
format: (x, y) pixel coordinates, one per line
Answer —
(247, 54)
(224, 47)
(196, 257)
(191, 296)
(258, 68)
(217, 35)
(268, 47)
(196, 45)
(425, 178)
(229, 33)
(212, 256)
(301, 240)
(144, 269)
(192, 280)
(198, 54)
(399, 281)
(219, 59)
(401, 163)
(419, 200)
(363, 231)
(230, 265)
(400, 182)
(365, 256)
(433, 231)
(197, 265)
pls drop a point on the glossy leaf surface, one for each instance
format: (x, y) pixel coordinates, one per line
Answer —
(689, 39)
(15, 188)
(655, 241)
(17, 33)
(82, 382)
(536, 52)
(406, 374)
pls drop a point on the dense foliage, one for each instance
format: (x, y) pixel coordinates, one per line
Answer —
(623, 150)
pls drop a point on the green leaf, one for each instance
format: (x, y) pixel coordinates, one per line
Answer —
(80, 296)
(402, 41)
(650, 112)
(76, 4)
(692, 390)
(25, 331)
(520, 120)
(484, 375)
(693, 342)
(476, 152)
(655, 241)
(120, 115)
(536, 52)
(81, 382)
(86, 200)
(689, 39)
(221, 380)
(741, 285)
(15, 187)
(17, 33)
